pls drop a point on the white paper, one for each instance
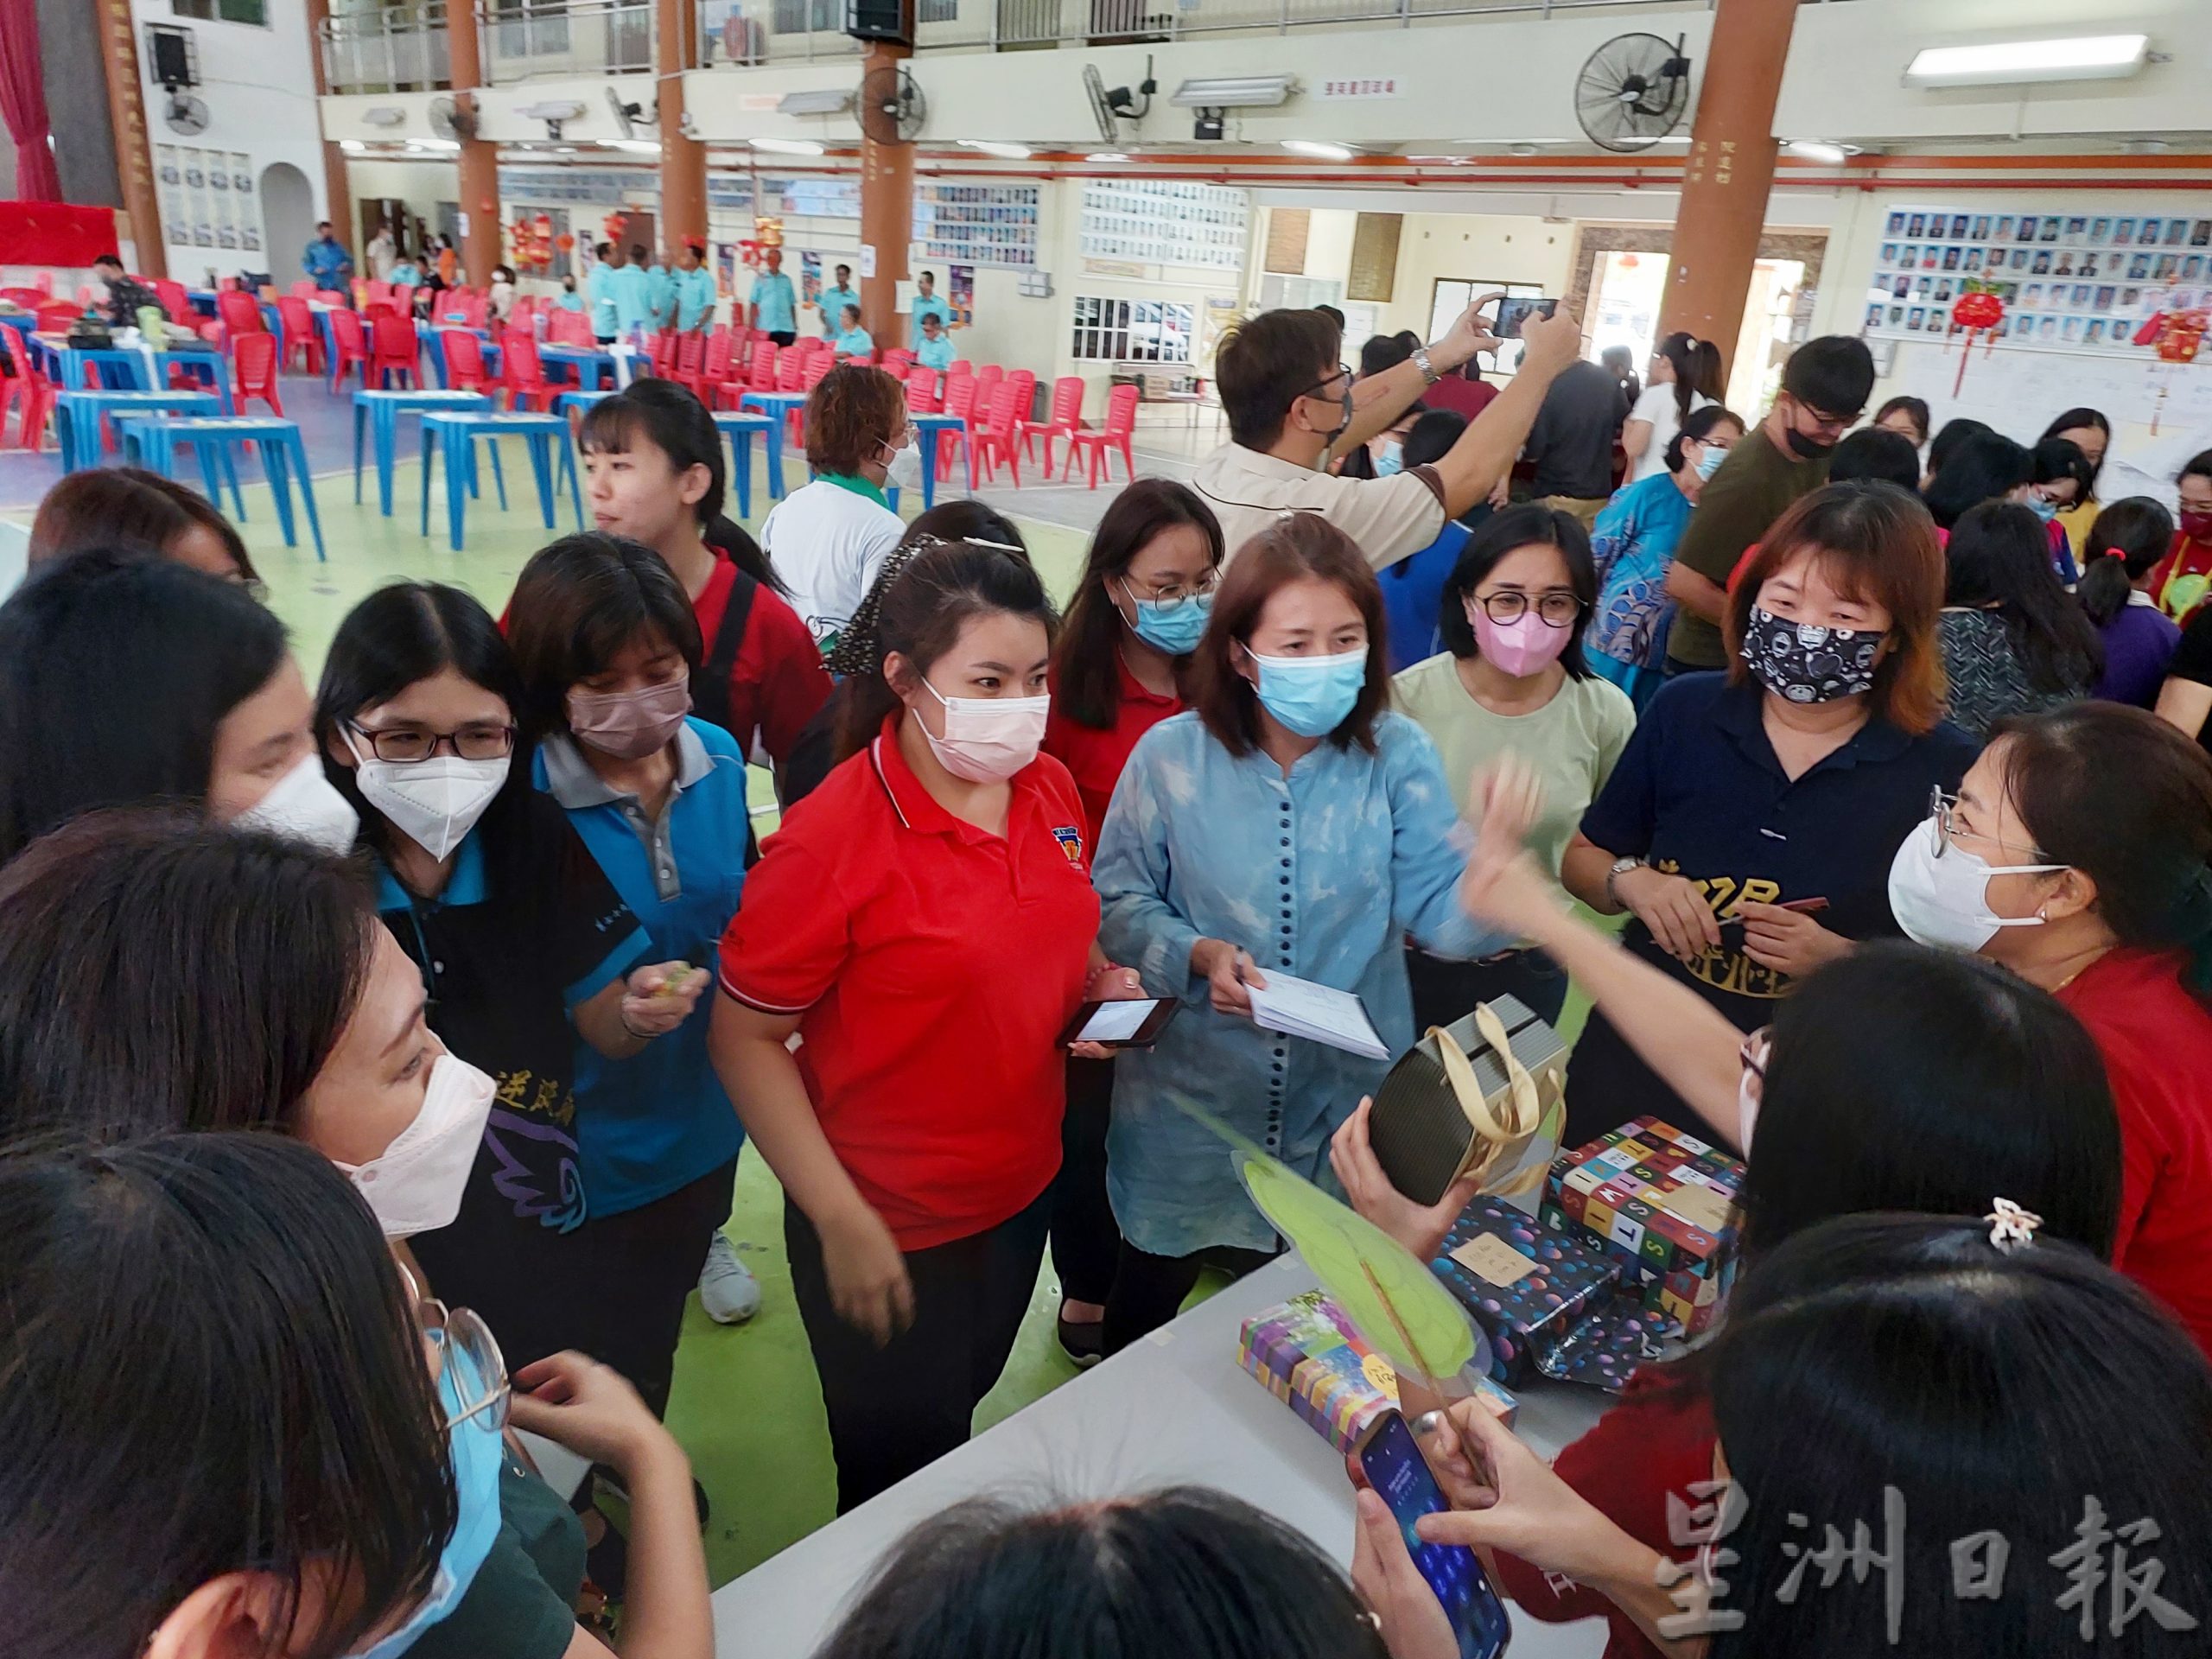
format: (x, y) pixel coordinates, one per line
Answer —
(1298, 1008)
(867, 259)
(1116, 1022)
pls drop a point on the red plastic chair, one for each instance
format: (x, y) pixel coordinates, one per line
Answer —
(394, 348)
(523, 373)
(465, 370)
(996, 437)
(760, 366)
(959, 401)
(56, 318)
(818, 364)
(299, 335)
(175, 300)
(679, 358)
(898, 361)
(987, 380)
(254, 358)
(1065, 417)
(714, 368)
(353, 341)
(921, 392)
(1118, 434)
(36, 394)
(29, 298)
(790, 370)
(240, 313)
(570, 328)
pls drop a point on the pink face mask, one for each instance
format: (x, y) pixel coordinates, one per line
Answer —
(1520, 647)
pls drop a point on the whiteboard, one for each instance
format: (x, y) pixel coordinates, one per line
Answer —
(2017, 389)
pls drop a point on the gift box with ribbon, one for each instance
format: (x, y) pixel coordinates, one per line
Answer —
(1662, 1203)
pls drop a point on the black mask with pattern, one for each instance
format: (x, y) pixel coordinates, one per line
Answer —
(1802, 663)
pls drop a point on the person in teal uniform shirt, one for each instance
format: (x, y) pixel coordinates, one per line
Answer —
(926, 301)
(851, 340)
(694, 289)
(570, 300)
(934, 350)
(606, 314)
(634, 294)
(836, 298)
(406, 274)
(775, 306)
(660, 288)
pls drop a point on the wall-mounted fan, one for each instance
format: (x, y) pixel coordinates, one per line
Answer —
(1108, 109)
(1633, 92)
(891, 106)
(185, 114)
(627, 117)
(450, 122)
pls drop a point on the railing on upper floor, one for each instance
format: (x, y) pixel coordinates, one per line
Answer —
(401, 49)
(389, 49)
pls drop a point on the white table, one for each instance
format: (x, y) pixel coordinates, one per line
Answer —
(1175, 1408)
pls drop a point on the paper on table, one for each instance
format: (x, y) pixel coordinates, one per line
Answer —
(1321, 1013)
(1116, 1022)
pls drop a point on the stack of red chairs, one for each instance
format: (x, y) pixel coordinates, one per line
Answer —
(921, 393)
(818, 364)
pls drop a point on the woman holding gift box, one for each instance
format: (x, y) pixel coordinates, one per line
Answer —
(1286, 822)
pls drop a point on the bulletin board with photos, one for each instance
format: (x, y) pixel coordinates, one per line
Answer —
(978, 224)
(207, 197)
(1166, 223)
(2070, 282)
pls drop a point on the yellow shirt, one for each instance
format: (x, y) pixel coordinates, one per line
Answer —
(2076, 521)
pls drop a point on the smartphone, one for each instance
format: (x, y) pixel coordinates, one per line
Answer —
(1401, 1477)
(1512, 313)
(1805, 907)
(1131, 1024)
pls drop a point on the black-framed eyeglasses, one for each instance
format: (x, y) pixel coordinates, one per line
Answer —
(1829, 422)
(1320, 388)
(1556, 609)
(405, 745)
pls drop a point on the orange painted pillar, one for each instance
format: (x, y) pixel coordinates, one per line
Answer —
(1729, 172)
(134, 160)
(480, 159)
(682, 158)
(886, 215)
(337, 182)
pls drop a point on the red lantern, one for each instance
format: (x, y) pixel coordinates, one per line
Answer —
(1975, 310)
(565, 242)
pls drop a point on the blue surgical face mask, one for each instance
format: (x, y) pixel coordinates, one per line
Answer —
(1311, 696)
(474, 1447)
(1389, 460)
(2042, 507)
(1709, 463)
(1175, 629)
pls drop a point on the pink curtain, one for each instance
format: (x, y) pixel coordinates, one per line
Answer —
(22, 102)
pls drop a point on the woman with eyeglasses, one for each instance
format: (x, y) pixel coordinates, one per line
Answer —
(1748, 825)
(1124, 651)
(523, 944)
(1513, 677)
(2078, 853)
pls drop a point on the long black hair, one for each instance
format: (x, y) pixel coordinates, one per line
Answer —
(116, 669)
(1696, 364)
(1906, 1367)
(403, 632)
(1945, 443)
(213, 1368)
(1086, 671)
(1530, 524)
(2058, 459)
(2128, 538)
(1999, 558)
(1985, 466)
(1189, 1572)
(2076, 419)
(668, 417)
(578, 602)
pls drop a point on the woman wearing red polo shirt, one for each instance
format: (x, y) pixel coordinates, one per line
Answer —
(923, 922)
(1118, 672)
(2078, 853)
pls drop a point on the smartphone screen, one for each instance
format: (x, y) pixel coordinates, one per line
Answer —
(1512, 313)
(1401, 1477)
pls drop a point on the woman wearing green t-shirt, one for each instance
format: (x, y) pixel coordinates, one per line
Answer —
(1512, 677)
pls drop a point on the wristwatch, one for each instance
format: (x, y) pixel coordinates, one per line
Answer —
(1421, 362)
(1621, 867)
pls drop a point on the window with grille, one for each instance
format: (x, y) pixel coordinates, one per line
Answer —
(255, 12)
(1132, 331)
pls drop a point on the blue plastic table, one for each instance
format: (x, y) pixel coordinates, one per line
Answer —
(210, 364)
(455, 435)
(278, 440)
(379, 411)
(78, 414)
(740, 429)
(578, 400)
(928, 426)
(778, 407)
(583, 360)
(67, 367)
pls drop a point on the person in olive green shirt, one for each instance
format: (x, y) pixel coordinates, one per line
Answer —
(1824, 391)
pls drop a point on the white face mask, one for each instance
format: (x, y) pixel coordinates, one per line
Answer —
(414, 1185)
(305, 805)
(434, 803)
(987, 740)
(1945, 900)
(905, 468)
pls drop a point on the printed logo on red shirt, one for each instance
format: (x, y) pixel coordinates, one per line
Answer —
(1071, 839)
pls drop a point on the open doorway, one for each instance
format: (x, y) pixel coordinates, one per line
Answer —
(287, 219)
(1627, 289)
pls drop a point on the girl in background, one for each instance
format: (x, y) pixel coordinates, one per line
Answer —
(2090, 431)
(2014, 640)
(1685, 377)
(2127, 540)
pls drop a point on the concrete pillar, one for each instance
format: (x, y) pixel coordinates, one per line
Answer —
(480, 159)
(337, 182)
(134, 157)
(886, 215)
(682, 158)
(1729, 171)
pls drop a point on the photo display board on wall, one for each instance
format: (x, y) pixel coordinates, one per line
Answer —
(978, 224)
(1174, 223)
(2070, 282)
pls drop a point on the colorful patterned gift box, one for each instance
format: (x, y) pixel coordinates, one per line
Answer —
(1549, 1305)
(1308, 1355)
(1660, 1203)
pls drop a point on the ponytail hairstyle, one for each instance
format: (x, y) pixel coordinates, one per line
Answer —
(1697, 370)
(922, 614)
(2128, 537)
(2121, 796)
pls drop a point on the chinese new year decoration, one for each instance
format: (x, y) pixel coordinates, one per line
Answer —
(2176, 336)
(1979, 310)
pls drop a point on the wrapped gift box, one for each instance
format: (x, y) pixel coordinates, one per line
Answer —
(1309, 1356)
(1660, 1202)
(1529, 1287)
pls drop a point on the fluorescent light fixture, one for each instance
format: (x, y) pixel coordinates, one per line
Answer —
(2089, 57)
(1004, 152)
(1318, 150)
(1235, 92)
(823, 100)
(384, 116)
(787, 146)
(553, 110)
(442, 146)
(1813, 149)
(1106, 155)
(632, 146)
(352, 146)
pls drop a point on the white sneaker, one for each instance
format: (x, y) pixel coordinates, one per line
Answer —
(728, 1289)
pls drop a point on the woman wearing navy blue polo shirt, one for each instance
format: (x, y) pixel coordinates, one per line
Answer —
(523, 943)
(605, 641)
(1750, 823)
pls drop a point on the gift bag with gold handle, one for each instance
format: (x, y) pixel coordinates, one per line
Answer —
(1481, 1097)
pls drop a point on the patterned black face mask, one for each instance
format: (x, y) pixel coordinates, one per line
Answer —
(1802, 663)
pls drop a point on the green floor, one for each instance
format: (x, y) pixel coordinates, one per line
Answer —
(745, 1404)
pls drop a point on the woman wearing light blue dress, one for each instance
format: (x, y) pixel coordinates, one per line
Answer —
(1633, 543)
(1287, 822)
